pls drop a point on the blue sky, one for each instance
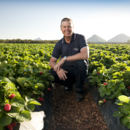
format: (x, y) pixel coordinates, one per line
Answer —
(29, 19)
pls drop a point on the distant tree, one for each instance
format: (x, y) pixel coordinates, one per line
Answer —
(1, 41)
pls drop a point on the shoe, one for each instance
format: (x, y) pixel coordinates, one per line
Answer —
(79, 96)
(68, 88)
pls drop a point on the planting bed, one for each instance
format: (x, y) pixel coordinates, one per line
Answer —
(67, 114)
(107, 110)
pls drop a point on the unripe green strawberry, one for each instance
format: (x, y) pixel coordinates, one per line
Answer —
(41, 99)
(12, 95)
(105, 83)
(7, 107)
(42, 94)
(100, 102)
(10, 127)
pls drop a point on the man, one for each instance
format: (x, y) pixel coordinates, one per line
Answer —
(73, 65)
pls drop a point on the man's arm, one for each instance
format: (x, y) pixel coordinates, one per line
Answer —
(52, 62)
(61, 73)
(83, 55)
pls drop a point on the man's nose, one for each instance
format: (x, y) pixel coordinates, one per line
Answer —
(67, 28)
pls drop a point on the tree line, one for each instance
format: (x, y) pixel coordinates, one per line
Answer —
(42, 41)
(28, 41)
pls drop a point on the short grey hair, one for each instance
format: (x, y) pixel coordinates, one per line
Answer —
(66, 19)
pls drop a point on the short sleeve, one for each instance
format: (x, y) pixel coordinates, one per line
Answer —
(82, 42)
(57, 50)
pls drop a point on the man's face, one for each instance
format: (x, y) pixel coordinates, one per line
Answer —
(67, 28)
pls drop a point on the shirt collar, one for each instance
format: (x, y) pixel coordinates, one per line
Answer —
(72, 39)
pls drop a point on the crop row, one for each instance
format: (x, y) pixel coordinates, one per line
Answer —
(24, 74)
(23, 79)
(110, 72)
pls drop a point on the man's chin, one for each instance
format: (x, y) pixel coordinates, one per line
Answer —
(68, 35)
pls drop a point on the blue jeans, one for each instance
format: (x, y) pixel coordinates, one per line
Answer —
(77, 73)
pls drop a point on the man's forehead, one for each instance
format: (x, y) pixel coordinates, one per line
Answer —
(66, 23)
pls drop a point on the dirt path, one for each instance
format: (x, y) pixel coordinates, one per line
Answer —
(67, 114)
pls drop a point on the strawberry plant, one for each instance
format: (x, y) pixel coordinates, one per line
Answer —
(112, 89)
(123, 111)
(14, 109)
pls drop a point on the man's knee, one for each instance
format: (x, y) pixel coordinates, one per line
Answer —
(81, 64)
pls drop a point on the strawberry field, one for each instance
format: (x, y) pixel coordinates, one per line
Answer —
(24, 77)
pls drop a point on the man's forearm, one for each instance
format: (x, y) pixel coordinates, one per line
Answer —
(52, 64)
(79, 56)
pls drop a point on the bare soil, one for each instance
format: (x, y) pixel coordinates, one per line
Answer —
(67, 114)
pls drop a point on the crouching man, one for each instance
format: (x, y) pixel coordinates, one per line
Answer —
(73, 51)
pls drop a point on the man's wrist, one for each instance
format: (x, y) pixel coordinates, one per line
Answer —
(65, 58)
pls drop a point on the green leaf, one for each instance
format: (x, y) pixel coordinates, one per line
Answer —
(111, 96)
(6, 80)
(121, 109)
(121, 86)
(34, 102)
(118, 114)
(1, 127)
(17, 102)
(21, 81)
(113, 88)
(118, 94)
(94, 72)
(126, 108)
(109, 85)
(5, 120)
(102, 94)
(108, 92)
(10, 85)
(128, 125)
(30, 107)
(124, 120)
(123, 98)
(1, 114)
(13, 112)
(23, 116)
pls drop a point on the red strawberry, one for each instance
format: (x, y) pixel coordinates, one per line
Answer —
(104, 100)
(41, 72)
(7, 107)
(98, 72)
(13, 123)
(12, 95)
(128, 87)
(105, 83)
(41, 99)
(123, 69)
(10, 127)
(49, 89)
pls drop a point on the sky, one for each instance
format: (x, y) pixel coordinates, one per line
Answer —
(30, 19)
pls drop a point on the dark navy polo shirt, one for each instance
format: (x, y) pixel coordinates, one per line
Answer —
(62, 48)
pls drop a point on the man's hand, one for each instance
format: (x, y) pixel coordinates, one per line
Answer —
(62, 74)
(59, 64)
